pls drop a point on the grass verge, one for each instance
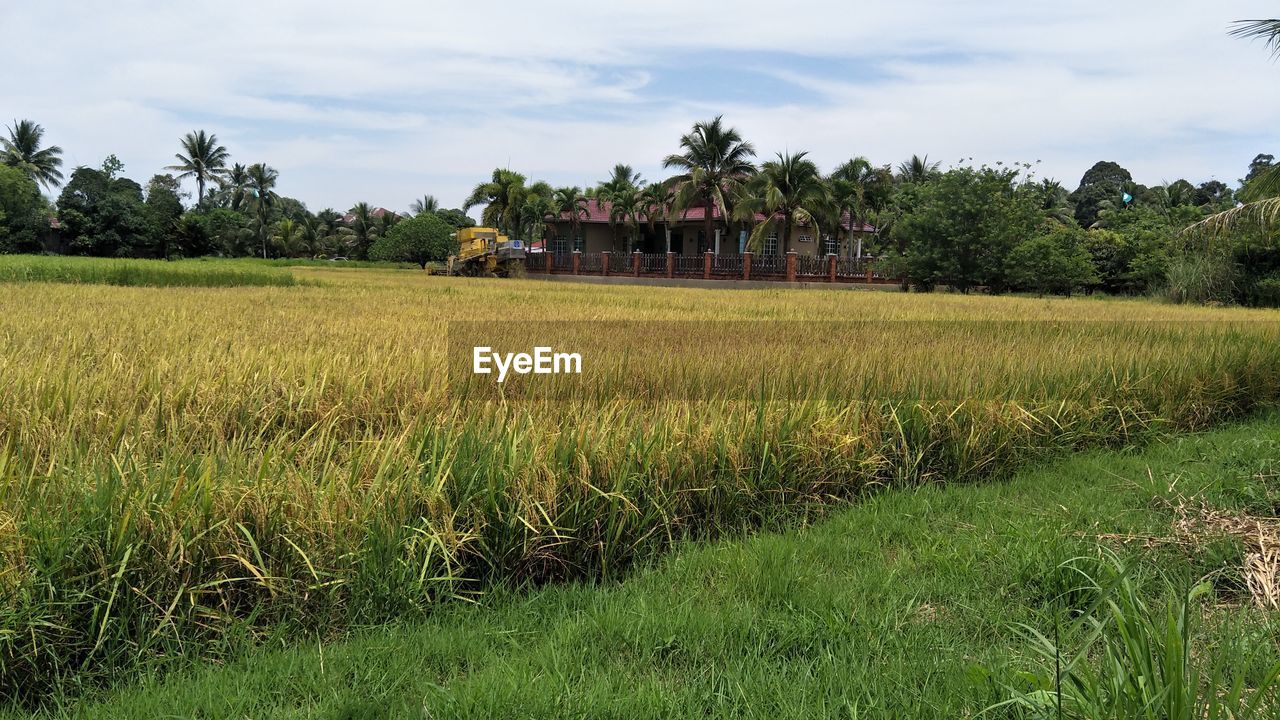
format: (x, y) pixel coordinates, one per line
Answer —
(906, 606)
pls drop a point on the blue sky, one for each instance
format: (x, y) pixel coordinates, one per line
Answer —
(384, 102)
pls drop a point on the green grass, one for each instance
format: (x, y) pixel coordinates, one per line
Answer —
(904, 606)
(145, 273)
(320, 263)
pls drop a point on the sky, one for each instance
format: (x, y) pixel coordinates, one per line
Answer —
(384, 102)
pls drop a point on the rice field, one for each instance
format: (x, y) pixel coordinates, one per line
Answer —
(129, 272)
(187, 469)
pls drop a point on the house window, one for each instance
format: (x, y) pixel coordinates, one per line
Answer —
(771, 243)
(580, 243)
(806, 238)
(560, 245)
(829, 245)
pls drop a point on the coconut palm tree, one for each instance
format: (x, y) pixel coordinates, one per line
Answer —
(622, 178)
(22, 150)
(1266, 30)
(1260, 197)
(787, 190)
(286, 237)
(625, 208)
(233, 187)
(569, 203)
(425, 204)
(502, 197)
(656, 201)
(851, 184)
(715, 162)
(201, 158)
(386, 221)
(917, 169)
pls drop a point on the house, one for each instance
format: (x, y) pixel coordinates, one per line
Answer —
(375, 213)
(687, 235)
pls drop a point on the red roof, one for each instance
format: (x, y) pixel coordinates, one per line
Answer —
(598, 212)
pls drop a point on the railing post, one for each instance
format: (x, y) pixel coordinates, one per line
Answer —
(746, 265)
(635, 263)
(550, 258)
(604, 262)
(871, 271)
(577, 261)
(671, 264)
(831, 267)
(791, 266)
(706, 265)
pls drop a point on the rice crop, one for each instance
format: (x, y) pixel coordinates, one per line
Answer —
(182, 469)
(130, 272)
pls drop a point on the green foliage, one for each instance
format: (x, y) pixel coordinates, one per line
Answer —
(23, 213)
(1056, 262)
(455, 217)
(1139, 660)
(1201, 278)
(216, 231)
(103, 215)
(962, 227)
(1104, 182)
(163, 209)
(421, 239)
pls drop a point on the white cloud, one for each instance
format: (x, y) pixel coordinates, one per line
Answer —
(383, 101)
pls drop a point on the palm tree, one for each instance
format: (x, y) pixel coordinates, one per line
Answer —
(233, 187)
(850, 185)
(532, 209)
(204, 160)
(1055, 202)
(502, 197)
(622, 178)
(363, 228)
(22, 150)
(286, 237)
(425, 204)
(625, 207)
(656, 201)
(262, 181)
(1266, 30)
(1260, 197)
(917, 169)
(787, 189)
(571, 203)
(386, 221)
(716, 162)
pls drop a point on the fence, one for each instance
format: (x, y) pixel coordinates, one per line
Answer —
(749, 266)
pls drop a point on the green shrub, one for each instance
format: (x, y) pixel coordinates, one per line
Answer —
(422, 239)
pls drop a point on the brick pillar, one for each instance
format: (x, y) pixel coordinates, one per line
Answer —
(635, 263)
(871, 271)
(746, 265)
(831, 267)
(549, 258)
(791, 266)
(706, 265)
(604, 262)
(671, 264)
(577, 261)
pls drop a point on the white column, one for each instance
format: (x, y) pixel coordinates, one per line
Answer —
(717, 241)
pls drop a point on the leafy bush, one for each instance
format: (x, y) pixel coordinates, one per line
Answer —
(965, 224)
(1139, 661)
(421, 239)
(1052, 263)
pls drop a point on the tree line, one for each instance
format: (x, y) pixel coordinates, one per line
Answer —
(237, 210)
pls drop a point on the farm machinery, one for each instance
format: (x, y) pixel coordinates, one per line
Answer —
(484, 252)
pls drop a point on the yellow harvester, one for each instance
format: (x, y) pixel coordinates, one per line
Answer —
(485, 252)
